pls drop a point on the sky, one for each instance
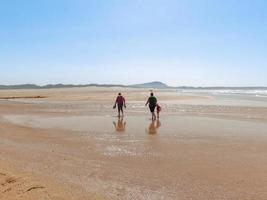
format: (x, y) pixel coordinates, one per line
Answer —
(178, 42)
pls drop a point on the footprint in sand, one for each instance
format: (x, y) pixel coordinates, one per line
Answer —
(34, 188)
(8, 180)
(11, 180)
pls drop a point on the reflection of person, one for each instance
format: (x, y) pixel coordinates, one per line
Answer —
(152, 101)
(120, 126)
(152, 128)
(120, 102)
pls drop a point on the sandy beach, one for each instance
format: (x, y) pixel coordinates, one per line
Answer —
(68, 144)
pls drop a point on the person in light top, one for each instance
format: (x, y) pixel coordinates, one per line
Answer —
(158, 107)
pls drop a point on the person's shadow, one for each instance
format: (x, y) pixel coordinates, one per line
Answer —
(153, 127)
(120, 125)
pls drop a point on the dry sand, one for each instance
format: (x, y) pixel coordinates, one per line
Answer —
(70, 145)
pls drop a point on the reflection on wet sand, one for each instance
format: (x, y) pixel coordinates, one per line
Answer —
(153, 127)
(120, 125)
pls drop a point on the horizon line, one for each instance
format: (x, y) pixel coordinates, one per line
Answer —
(123, 85)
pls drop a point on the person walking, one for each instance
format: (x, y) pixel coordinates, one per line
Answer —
(120, 102)
(152, 101)
(158, 107)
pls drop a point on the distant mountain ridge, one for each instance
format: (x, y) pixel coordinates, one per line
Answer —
(155, 84)
(51, 86)
(152, 85)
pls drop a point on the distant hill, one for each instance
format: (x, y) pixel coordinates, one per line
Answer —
(51, 86)
(153, 85)
(24, 86)
(156, 85)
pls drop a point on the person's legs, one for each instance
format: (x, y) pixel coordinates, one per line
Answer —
(154, 116)
(152, 110)
(120, 110)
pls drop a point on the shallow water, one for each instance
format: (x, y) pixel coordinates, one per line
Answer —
(139, 127)
(176, 157)
(231, 97)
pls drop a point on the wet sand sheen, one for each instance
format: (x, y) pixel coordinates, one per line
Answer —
(139, 125)
(207, 156)
(90, 155)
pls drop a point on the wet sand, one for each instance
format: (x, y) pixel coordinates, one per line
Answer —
(71, 145)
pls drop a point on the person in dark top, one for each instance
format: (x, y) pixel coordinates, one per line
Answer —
(152, 101)
(120, 102)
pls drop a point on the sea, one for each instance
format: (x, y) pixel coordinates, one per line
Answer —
(244, 92)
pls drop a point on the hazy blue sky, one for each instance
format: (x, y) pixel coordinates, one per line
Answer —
(180, 42)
